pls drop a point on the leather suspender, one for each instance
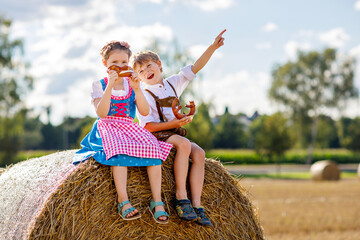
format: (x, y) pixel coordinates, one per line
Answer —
(161, 116)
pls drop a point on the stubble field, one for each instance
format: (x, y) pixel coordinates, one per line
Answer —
(303, 209)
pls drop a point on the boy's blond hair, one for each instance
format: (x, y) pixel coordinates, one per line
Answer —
(142, 57)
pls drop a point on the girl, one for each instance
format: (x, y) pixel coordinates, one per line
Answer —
(116, 141)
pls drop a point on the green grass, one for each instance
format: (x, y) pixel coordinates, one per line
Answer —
(24, 155)
(294, 175)
(240, 156)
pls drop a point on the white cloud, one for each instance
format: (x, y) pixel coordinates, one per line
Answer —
(154, 1)
(264, 45)
(65, 52)
(305, 33)
(269, 27)
(207, 5)
(334, 38)
(241, 91)
(196, 51)
(292, 47)
(357, 5)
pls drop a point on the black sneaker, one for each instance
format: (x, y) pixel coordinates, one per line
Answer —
(201, 217)
(184, 210)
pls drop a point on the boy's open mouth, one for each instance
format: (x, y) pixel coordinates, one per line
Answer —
(151, 76)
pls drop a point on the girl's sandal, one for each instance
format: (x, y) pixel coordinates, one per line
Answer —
(158, 214)
(127, 211)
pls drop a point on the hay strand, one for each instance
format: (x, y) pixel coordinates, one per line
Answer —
(83, 206)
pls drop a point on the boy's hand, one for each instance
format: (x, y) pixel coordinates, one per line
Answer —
(134, 81)
(183, 121)
(219, 40)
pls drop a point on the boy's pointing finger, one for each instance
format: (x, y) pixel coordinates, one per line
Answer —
(221, 33)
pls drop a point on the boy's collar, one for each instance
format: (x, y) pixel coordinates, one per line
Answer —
(155, 85)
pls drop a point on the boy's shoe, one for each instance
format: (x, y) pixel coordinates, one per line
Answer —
(184, 210)
(201, 217)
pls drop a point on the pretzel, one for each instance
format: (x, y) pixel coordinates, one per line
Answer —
(176, 108)
(124, 71)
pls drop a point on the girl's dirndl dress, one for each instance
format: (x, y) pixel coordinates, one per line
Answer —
(116, 141)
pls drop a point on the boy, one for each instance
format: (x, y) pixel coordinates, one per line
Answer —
(162, 123)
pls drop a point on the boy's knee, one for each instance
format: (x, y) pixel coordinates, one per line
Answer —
(199, 155)
(183, 145)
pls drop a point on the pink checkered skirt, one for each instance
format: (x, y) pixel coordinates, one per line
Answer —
(121, 136)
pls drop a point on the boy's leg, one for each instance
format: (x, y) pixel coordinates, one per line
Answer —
(154, 173)
(196, 175)
(196, 178)
(181, 163)
(120, 179)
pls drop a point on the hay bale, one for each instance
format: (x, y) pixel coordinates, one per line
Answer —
(49, 198)
(325, 170)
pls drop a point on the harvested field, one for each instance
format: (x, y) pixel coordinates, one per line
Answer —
(303, 209)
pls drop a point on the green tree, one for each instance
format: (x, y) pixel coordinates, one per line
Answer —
(272, 136)
(349, 132)
(229, 132)
(316, 80)
(327, 134)
(14, 84)
(201, 129)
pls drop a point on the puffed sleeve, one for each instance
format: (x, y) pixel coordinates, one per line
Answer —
(97, 91)
(181, 80)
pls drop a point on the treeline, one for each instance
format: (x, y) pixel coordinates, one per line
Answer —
(225, 131)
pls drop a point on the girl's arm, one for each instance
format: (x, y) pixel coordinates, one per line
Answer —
(102, 105)
(204, 58)
(141, 102)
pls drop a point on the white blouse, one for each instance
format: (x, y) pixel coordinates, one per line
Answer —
(97, 91)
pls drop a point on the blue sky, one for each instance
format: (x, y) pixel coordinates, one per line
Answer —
(63, 38)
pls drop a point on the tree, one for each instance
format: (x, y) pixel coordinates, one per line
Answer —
(313, 82)
(14, 84)
(349, 133)
(229, 132)
(328, 134)
(271, 136)
(201, 129)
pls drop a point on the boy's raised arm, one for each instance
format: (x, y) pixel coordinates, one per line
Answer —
(204, 58)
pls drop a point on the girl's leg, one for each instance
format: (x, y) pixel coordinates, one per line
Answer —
(181, 163)
(120, 179)
(196, 175)
(154, 173)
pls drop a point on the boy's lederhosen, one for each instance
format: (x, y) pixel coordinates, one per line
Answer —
(165, 102)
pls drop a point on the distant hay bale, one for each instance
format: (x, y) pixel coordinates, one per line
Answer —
(49, 198)
(325, 170)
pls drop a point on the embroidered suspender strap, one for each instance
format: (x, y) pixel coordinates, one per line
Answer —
(173, 88)
(157, 105)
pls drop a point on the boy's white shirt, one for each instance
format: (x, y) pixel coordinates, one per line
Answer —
(179, 81)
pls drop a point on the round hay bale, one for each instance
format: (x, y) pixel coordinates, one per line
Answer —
(325, 170)
(50, 198)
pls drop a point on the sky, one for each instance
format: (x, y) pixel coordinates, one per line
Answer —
(62, 39)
